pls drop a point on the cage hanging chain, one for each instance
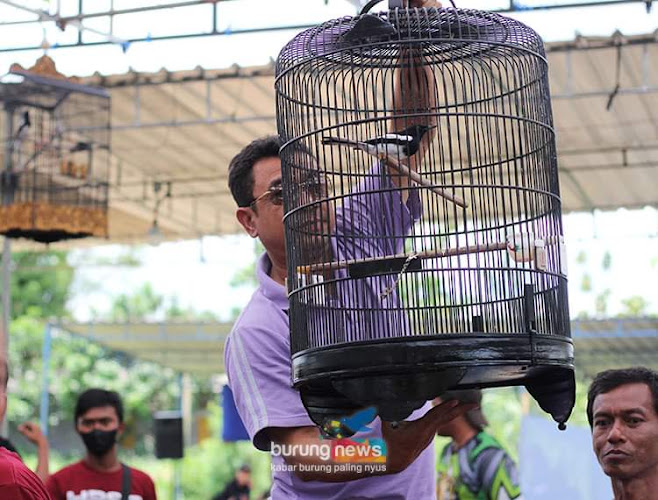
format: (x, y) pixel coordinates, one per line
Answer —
(388, 291)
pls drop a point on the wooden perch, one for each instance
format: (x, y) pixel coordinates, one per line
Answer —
(511, 245)
(323, 267)
(416, 177)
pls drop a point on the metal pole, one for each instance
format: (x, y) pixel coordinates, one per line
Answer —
(7, 197)
(72, 21)
(178, 467)
(6, 312)
(6, 296)
(45, 380)
(178, 473)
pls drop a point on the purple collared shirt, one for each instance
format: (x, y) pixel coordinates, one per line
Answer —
(257, 357)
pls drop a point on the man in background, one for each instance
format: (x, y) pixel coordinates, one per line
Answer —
(17, 482)
(100, 475)
(622, 409)
(474, 466)
(239, 488)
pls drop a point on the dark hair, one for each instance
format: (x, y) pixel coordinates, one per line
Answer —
(98, 398)
(5, 443)
(608, 380)
(240, 176)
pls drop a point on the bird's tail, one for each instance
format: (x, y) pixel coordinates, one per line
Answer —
(340, 141)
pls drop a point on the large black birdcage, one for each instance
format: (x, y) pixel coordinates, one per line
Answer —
(56, 156)
(410, 276)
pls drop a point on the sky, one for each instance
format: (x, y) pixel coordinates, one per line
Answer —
(198, 272)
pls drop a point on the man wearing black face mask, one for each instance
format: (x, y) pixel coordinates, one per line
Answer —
(100, 475)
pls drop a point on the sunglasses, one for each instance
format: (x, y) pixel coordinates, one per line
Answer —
(275, 194)
(315, 189)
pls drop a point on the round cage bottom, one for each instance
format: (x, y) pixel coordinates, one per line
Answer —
(47, 222)
(398, 376)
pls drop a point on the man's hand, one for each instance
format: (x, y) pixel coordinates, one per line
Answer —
(424, 3)
(406, 442)
(32, 432)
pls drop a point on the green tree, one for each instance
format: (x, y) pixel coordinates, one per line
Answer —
(40, 287)
(40, 284)
(601, 302)
(634, 306)
(138, 306)
(246, 276)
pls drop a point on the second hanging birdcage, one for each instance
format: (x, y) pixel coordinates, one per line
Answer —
(54, 182)
(422, 212)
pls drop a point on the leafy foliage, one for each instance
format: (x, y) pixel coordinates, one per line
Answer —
(40, 284)
(40, 290)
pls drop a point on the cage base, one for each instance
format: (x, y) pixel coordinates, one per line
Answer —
(398, 376)
(47, 223)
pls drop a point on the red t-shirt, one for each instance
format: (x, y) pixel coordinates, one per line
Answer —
(80, 482)
(17, 482)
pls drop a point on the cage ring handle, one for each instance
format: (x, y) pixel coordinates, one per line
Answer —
(392, 4)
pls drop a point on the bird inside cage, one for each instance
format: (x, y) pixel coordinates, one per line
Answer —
(72, 169)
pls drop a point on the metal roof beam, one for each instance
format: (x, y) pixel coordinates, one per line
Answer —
(187, 123)
(63, 22)
(117, 12)
(586, 42)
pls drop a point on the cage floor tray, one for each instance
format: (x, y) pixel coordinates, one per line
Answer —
(399, 376)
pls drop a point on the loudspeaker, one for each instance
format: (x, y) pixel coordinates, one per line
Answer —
(168, 434)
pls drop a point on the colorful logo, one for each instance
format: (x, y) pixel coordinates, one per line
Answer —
(350, 425)
(359, 451)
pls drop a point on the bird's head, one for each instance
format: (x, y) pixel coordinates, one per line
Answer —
(418, 130)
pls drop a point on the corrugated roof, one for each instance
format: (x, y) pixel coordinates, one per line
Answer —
(615, 343)
(184, 127)
(186, 347)
(199, 347)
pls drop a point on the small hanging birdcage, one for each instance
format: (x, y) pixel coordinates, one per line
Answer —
(432, 259)
(56, 154)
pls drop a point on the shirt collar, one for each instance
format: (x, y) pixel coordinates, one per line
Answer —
(271, 289)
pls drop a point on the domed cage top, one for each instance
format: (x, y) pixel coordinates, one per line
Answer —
(422, 212)
(55, 155)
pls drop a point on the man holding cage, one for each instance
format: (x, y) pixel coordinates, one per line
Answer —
(257, 354)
